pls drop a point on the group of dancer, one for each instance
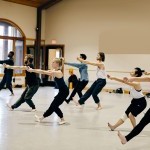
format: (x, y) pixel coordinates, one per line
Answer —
(138, 103)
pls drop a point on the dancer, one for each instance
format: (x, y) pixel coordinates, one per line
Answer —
(8, 73)
(83, 81)
(138, 103)
(31, 81)
(144, 121)
(98, 85)
(72, 80)
(63, 90)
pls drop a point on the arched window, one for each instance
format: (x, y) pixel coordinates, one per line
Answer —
(12, 38)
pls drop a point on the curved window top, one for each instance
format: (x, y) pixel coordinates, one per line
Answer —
(7, 29)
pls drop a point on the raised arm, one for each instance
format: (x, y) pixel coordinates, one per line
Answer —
(123, 81)
(39, 71)
(15, 67)
(139, 79)
(89, 62)
(47, 72)
(147, 73)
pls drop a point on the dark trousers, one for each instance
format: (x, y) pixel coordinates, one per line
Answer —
(139, 127)
(27, 96)
(136, 106)
(78, 89)
(7, 79)
(58, 100)
(94, 90)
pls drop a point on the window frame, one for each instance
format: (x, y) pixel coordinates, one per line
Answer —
(23, 38)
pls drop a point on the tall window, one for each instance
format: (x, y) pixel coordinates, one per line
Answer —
(11, 39)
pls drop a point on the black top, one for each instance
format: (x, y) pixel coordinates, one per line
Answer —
(31, 78)
(73, 79)
(10, 62)
(60, 83)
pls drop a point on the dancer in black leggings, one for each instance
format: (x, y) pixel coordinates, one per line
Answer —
(144, 121)
(63, 90)
(8, 73)
(83, 81)
(138, 103)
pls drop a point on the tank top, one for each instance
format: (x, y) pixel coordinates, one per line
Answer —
(100, 73)
(136, 94)
(60, 83)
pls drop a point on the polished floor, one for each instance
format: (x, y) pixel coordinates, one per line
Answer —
(86, 129)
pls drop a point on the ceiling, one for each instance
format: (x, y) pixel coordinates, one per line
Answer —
(32, 3)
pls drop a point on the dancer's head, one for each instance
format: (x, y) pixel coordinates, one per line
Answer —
(83, 56)
(10, 54)
(137, 72)
(57, 63)
(71, 71)
(101, 56)
(28, 59)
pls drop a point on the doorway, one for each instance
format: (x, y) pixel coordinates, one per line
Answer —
(51, 52)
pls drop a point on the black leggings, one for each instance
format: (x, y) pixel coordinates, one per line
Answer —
(78, 89)
(58, 100)
(139, 127)
(7, 79)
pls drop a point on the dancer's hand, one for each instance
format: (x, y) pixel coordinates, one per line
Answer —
(5, 66)
(109, 77)
(29, 69)
(146, 73)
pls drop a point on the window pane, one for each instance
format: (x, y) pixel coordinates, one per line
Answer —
(7, 29)
(19, 55)
(5, 47)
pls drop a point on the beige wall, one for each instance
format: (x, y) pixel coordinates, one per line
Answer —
(23, 16)
(114, 26)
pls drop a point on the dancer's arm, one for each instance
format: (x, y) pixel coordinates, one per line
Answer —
(77, 65)
(89, 62)
(3, 61)
(139, 79)
(46, 72)
(15, 67)
(7, 61)
(147, 73)
(134, 84)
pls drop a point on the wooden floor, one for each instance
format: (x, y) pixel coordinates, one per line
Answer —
(86, 130)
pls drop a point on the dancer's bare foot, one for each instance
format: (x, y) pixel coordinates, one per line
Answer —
(99, 107)
(38, 119)
(12, 94)
(62, 122)
(33, 110)
(122, 138)
(75, 101)
(111, 127)
(9, 106)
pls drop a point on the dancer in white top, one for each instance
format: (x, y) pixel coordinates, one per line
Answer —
(144, 121)
(98, 85)
(138, 103)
